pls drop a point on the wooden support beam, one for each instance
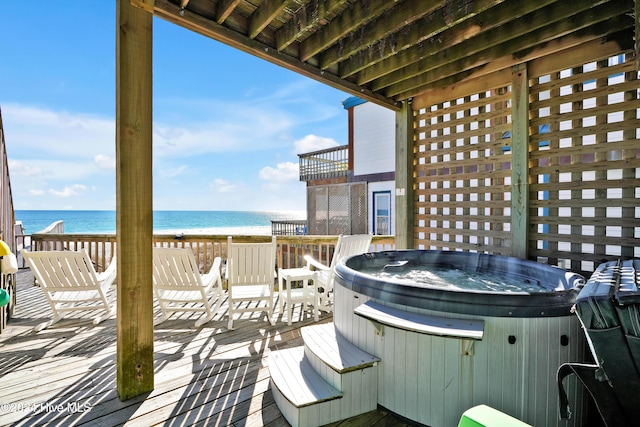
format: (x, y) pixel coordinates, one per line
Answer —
(134, 214)
(224, 9)
(304, 20)
(378, 32)
(636, 15)
(343, 24)
(507, 37)
(404, 177)
(520, 162)
(426, 30)
(146, 5)
(573, 50)
(263, 16)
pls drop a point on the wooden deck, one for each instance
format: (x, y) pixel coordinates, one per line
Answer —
(65, 375)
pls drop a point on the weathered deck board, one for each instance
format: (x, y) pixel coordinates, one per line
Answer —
(206, 376)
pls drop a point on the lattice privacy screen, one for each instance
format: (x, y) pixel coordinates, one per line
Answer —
(337, 209)
(585, 164)
(463, 172)
(584, 168)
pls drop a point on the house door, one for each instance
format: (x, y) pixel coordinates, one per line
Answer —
(382, 213)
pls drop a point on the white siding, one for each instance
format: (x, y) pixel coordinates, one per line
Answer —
(374, 139)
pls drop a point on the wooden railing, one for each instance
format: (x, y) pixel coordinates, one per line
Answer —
(291, 249)
(7, 230)
(292, 227)
(323, 164)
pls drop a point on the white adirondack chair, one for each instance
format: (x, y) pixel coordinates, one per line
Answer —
(70, 283)
(346, 246)
(179, 286)
(250, 277)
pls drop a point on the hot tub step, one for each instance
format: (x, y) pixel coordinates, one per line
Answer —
(327, 380)
(381, 315)
(303, 397)
(332, 355)
(343, 365)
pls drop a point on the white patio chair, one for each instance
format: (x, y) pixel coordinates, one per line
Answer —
(346, 246)
(250, 277)
(70, 283)
(179, 286)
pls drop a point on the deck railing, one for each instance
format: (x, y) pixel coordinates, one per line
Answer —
(291, 249)
(323, 164)
(290, 227)
(7, 230)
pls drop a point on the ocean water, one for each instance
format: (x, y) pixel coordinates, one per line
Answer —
(164, 222)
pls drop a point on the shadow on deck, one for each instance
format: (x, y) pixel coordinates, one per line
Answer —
(208, 376)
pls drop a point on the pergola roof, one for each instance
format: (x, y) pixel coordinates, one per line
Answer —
(388, 51)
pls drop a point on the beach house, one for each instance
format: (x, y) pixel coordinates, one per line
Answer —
(351, 188)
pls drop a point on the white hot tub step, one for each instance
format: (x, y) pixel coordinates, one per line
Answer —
(381, 315)
(303, 397)
(324, 345)
(325, 381)
(343, 365)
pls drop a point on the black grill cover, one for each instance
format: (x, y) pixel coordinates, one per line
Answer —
(608, 308)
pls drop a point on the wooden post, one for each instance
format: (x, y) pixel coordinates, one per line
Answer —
(404, 177)
(134, 211)
(520, 162)
(637, 38)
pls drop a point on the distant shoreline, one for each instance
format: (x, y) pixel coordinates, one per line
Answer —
(165, 222)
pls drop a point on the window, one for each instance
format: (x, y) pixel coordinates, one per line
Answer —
(382, 213)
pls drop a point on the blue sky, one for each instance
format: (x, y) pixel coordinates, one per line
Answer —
(227, 126)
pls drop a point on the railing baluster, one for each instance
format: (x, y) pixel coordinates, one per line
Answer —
(291, 249)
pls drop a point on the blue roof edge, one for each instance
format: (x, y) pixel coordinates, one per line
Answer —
(352, 102)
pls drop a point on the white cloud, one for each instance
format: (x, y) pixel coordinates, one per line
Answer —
(18, 168)
(313, 143)
(222, 186)
(73, 190)
(286, 171)
(50, 151)
(62, 168)
(104, 162)
(41, 132)
(174, 172)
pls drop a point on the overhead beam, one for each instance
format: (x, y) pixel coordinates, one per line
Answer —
(493, 27)
(421, 31)
(134, 212)
(510, 53)
(306, 18)
(224, 9)
(350, 19)
(381, 28)
(504, 40)
(447, 88)
(167, 10)
(263, 16)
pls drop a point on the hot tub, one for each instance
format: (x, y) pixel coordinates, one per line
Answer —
(507, 359)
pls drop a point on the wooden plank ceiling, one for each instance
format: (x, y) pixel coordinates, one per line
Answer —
(388, 51)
